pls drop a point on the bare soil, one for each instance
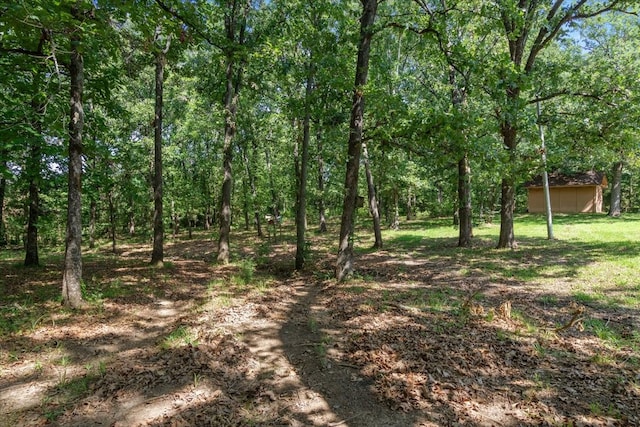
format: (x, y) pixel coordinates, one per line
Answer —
(411, 342)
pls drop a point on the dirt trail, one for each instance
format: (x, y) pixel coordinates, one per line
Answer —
(297, 346)
(267, 359)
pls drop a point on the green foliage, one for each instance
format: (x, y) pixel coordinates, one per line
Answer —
(432, 96)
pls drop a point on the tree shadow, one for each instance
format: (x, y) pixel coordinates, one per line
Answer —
(308, 338)
(450, 366)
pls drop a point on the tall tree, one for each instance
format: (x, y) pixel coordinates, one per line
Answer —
(3, 189)
(521, 22)
(322, 219)
(301, 206)
(33, 170)
(72, 274)
(373, 199)
(344, 265)
(157, 255)
(235, 24)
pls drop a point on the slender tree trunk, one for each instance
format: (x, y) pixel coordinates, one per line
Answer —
(93, 212)
(245, 203)
(157, 255)
(464, 202)
(344, 265)
(207, 218)
(249, 159)
(301, 208)
(72, 276)
(615, 209)
(112, 222)
(410, 202)
(321, 205)
(275, 204)
(93, 209)
(462, 217)
(254, 193)
(230, 106)
(33, 171)
(373, 201)
(174, 220)
(132, 221)
(395, 223)
(3, 188)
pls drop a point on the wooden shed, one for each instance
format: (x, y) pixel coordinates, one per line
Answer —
(569, 193)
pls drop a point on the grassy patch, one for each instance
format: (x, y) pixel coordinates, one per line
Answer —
(245, 274)
(181, 336)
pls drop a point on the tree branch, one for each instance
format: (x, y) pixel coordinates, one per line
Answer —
(596, 96)
(189, 24)
(20, 51)
(545, 36)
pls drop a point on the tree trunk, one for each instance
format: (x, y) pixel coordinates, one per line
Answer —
(112, 222)
(72, 276)
(249, 159)
(132, 222)
(395, 222)
(410, 202)
(615, 209)
(230, 106)
(174, 220)
(507, 206)
(321, 206)
(344, 265)
(235, 23)
(254, 193)
(157, 255)
(275, 203)
(207, 218)
(508, 200)
(3, 187)
(33, 172)
(93, 212)
(373, 201)
(464, 202)
(301, 208)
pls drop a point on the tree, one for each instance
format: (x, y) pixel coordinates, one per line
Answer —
(301, 205)
(72, 274)
(235, 24)
(373, 200)
(455, 35)
(344, 265)
(521, 22)
(157, 255)
(3, 189)
(597, 121)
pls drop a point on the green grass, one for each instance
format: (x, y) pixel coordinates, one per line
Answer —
(593, 257)
(180, 336)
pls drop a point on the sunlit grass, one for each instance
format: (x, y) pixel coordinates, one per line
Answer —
(180, 336)
(593, 257)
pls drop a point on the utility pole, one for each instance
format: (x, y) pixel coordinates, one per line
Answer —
(545, 177)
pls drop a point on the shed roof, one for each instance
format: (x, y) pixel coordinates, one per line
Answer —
(556, 179)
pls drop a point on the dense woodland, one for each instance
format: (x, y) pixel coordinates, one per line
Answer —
(147, 119)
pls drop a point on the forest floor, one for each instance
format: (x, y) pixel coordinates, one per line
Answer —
(415, 339)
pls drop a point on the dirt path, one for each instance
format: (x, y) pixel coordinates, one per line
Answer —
(297, 345)
(258, 359)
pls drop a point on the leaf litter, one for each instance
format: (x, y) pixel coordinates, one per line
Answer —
(378, 351)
